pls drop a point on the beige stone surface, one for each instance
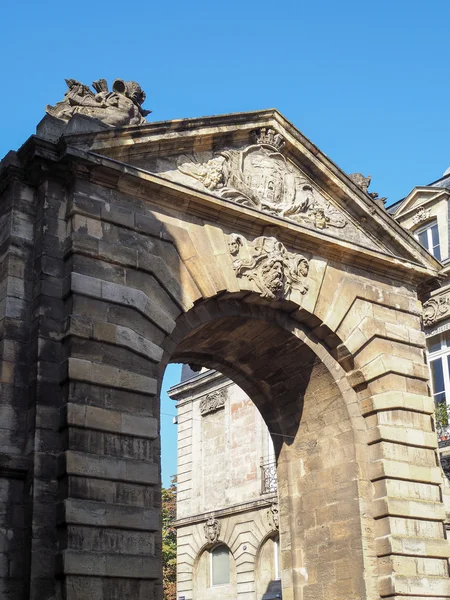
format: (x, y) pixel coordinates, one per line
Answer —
(125, 268)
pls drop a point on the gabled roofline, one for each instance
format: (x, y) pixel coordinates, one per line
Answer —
(314, 163)
(434, 193)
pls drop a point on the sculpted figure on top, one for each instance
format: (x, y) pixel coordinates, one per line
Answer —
(260, 177)
(121, 106)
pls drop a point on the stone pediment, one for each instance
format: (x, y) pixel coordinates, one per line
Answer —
(258, 175)
(259, 161)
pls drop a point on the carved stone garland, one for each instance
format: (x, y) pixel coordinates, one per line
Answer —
(212, 402)
(212, 530)
(260, 177)
(273, 270)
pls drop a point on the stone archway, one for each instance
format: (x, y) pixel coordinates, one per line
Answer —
(120, 250)
(302, 394)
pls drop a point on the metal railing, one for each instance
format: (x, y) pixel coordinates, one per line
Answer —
(268, 476)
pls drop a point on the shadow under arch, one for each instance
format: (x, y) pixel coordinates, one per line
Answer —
(304, 397)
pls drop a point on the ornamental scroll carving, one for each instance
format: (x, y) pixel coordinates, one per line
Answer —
(212, 530)
(273, 516)
(266, 262)
(435, 309)
(260, 177)
(212, 402)
(421, 215)
(121, 106)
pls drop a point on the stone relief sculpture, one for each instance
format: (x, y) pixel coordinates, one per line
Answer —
(212, 402)
(260, 177)
(268, 264)
(212, 530)
(421, 215)
(363, 182)
(435, 309)
(273, 516)
(121, 106)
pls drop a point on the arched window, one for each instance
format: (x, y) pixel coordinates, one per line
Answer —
(220, 565)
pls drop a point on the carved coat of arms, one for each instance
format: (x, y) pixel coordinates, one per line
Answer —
(261, 177)
(212, 530)
(268, 264)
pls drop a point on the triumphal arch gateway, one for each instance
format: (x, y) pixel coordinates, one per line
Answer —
(234, 243)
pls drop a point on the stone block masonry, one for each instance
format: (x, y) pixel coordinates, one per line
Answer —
(114, 264)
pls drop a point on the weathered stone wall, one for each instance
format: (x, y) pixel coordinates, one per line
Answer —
(17, 218)
(128, 273)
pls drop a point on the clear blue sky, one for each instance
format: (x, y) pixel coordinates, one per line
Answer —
(368, 82)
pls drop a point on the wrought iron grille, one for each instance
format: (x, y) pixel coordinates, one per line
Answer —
(268, 476)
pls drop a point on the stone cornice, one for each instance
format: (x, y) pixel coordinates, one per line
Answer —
(263, 503)
(129, 179)
(113, 173)
(173, 136)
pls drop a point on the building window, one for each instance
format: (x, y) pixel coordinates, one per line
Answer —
(439, 360)
(428, 236)
(276, 558)
(220, 565)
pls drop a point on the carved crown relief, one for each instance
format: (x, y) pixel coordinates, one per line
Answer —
(266, 262)
(259, 176)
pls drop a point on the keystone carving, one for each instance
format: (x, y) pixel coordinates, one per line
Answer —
(421, 215)
(212, 402)
(212, 530)
(121, 106)
(273, 516)
(260, 177)
(435, 309)
(267, 263)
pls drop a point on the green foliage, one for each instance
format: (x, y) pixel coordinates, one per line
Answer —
(442, 419)
(169, 539)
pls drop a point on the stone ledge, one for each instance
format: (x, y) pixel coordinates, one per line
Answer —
(403, 545)
(92, 417)
(113, 377)
(107, 467)
(100, 514)
(268, 500)
(110, 565)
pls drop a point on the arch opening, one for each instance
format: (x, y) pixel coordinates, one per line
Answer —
(301, 394)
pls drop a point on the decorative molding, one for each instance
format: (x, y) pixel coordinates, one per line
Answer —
(267, 263)
(261, 177)
(436, 309)
(212, 402)
(422, 215)
(273, 516)
(212, 530)
(121, 106)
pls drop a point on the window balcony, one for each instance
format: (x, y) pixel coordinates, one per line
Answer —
(268, 476)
